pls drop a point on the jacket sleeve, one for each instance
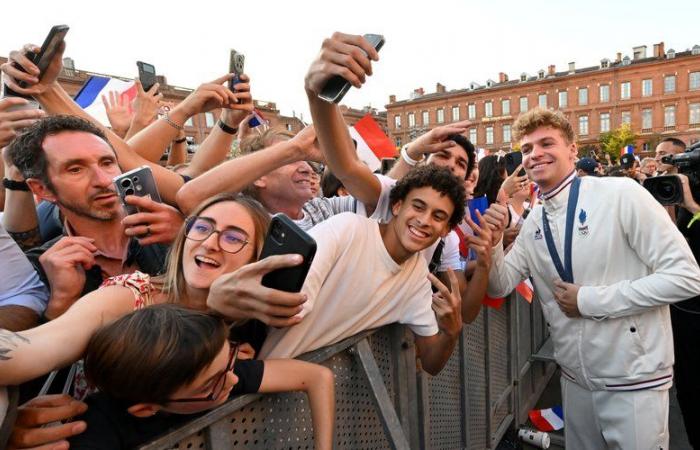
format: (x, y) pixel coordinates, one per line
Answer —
(507, 271)
(673, 272)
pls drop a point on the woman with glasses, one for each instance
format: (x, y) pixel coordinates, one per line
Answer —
(156, 366)
(223, 234)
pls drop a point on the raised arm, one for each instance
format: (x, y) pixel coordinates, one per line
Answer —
(236, 174)
(348, 56)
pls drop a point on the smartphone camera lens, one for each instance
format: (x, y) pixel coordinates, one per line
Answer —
(126, 183)
(129, 191)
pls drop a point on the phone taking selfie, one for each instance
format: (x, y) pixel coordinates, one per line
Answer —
(336, 88)
(43, 58)
(285, 237)
(147, 75)
(139, 182)
(513, 160)
(235, 65)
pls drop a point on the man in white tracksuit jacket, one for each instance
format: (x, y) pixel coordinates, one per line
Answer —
(607, 310)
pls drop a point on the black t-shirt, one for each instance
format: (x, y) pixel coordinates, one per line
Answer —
(111, 427)
(692, 234)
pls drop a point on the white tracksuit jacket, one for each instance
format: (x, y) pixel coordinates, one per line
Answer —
(631, 262)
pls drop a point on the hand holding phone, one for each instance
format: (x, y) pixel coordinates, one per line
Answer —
(513, 160)
(139, 182)
(235, 65)
(147, 75)
(285, 237)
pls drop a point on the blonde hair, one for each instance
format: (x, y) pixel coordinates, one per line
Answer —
(172, 283)
(265, 139)
(540, 117)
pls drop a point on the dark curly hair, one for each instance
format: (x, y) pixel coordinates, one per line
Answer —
(468, 148)
(27, 151)
(439, 178)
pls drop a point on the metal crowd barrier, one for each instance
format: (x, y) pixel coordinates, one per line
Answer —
(384, 401)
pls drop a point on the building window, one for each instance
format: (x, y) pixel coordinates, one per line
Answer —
(542, 101)
(605, 93)
(583, 96)
(506, 134)
(489, 135)
(604, 122)
(472, 135)
(694, 114)
(583, 125)
(669, 84)
(189, 122)
(471, 111)
(426, 118)
(670, 116)
(289, 127)
(563, 99)
(488, 108)
(505, 107)
(694, 80)
(523, 104)
(411, 120)
(626, 117)
(398, 142)
(209, 119)
(647, 88)
(455, 113)
(397, 122)
(647, 123)
(625, 90)
(440, 115)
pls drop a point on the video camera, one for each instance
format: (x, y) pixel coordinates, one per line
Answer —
(667, 189)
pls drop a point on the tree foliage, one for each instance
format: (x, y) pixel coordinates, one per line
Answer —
(613, 141)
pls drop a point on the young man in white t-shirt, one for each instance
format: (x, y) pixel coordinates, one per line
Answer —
(606, 262)
(368, 274)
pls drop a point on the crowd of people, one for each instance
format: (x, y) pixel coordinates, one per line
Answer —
(153, 317)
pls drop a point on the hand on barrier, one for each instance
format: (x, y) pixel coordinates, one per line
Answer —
(38, 425)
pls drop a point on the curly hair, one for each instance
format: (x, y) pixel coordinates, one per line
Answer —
(540, 117)
(27, 150)
(438, 178)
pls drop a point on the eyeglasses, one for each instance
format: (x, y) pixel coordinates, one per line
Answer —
(231, 239)
(219, 383)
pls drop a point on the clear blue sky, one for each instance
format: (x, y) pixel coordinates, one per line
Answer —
(452, 42)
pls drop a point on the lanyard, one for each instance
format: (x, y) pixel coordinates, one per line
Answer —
(566, 273)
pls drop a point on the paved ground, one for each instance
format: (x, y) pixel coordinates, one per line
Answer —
(552, 396)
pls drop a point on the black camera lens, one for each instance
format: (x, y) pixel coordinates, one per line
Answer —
(666, 191)
(129, 191)
(126, 182)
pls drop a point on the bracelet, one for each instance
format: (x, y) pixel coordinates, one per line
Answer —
(410, 161)
(226, 128)
(172, 124)
(180, 141)
(14, 185)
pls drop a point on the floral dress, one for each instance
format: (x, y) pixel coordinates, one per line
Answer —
(140, 285)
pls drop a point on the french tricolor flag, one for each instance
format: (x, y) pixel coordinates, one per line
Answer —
(257, 119)
(551, 419)
(627, 149)
(90, 95)
(372, 143)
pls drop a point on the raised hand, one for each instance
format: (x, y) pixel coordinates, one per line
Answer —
(37, 83)
(447, 304)
(118, 112)
(12, 122)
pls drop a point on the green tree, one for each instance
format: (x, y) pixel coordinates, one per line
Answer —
(612, 142)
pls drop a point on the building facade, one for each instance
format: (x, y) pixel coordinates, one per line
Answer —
(658, 96)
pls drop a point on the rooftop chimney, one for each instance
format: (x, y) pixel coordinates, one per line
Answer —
(440, 88)
(659, 50)
(551, 70)
(639, 52)
(572, 67)
(502, 77)
(618, 57)
(392, 99)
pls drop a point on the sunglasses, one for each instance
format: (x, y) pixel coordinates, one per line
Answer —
(218, 386)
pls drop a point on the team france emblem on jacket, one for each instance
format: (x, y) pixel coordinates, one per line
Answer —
(583, 228)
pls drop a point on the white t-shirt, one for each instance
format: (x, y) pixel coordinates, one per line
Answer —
(450, 253)
(354, 285)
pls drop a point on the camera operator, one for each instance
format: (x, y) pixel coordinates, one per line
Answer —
(685, 315)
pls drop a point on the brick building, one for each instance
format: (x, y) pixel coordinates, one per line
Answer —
(658, 95)
(199, 126)
(352, 115)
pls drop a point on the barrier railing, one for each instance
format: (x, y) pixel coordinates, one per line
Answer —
(384, 401)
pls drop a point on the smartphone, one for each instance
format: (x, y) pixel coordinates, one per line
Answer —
(285, 237)
(138, 182)
(235, 65)
(513, 160)
(336, 88)
(41, 59)
(147, 75)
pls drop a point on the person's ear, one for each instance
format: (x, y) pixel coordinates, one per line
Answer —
(574, 150)
(396, 207)
(42, 191)
(260, 183)
(143, 409)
